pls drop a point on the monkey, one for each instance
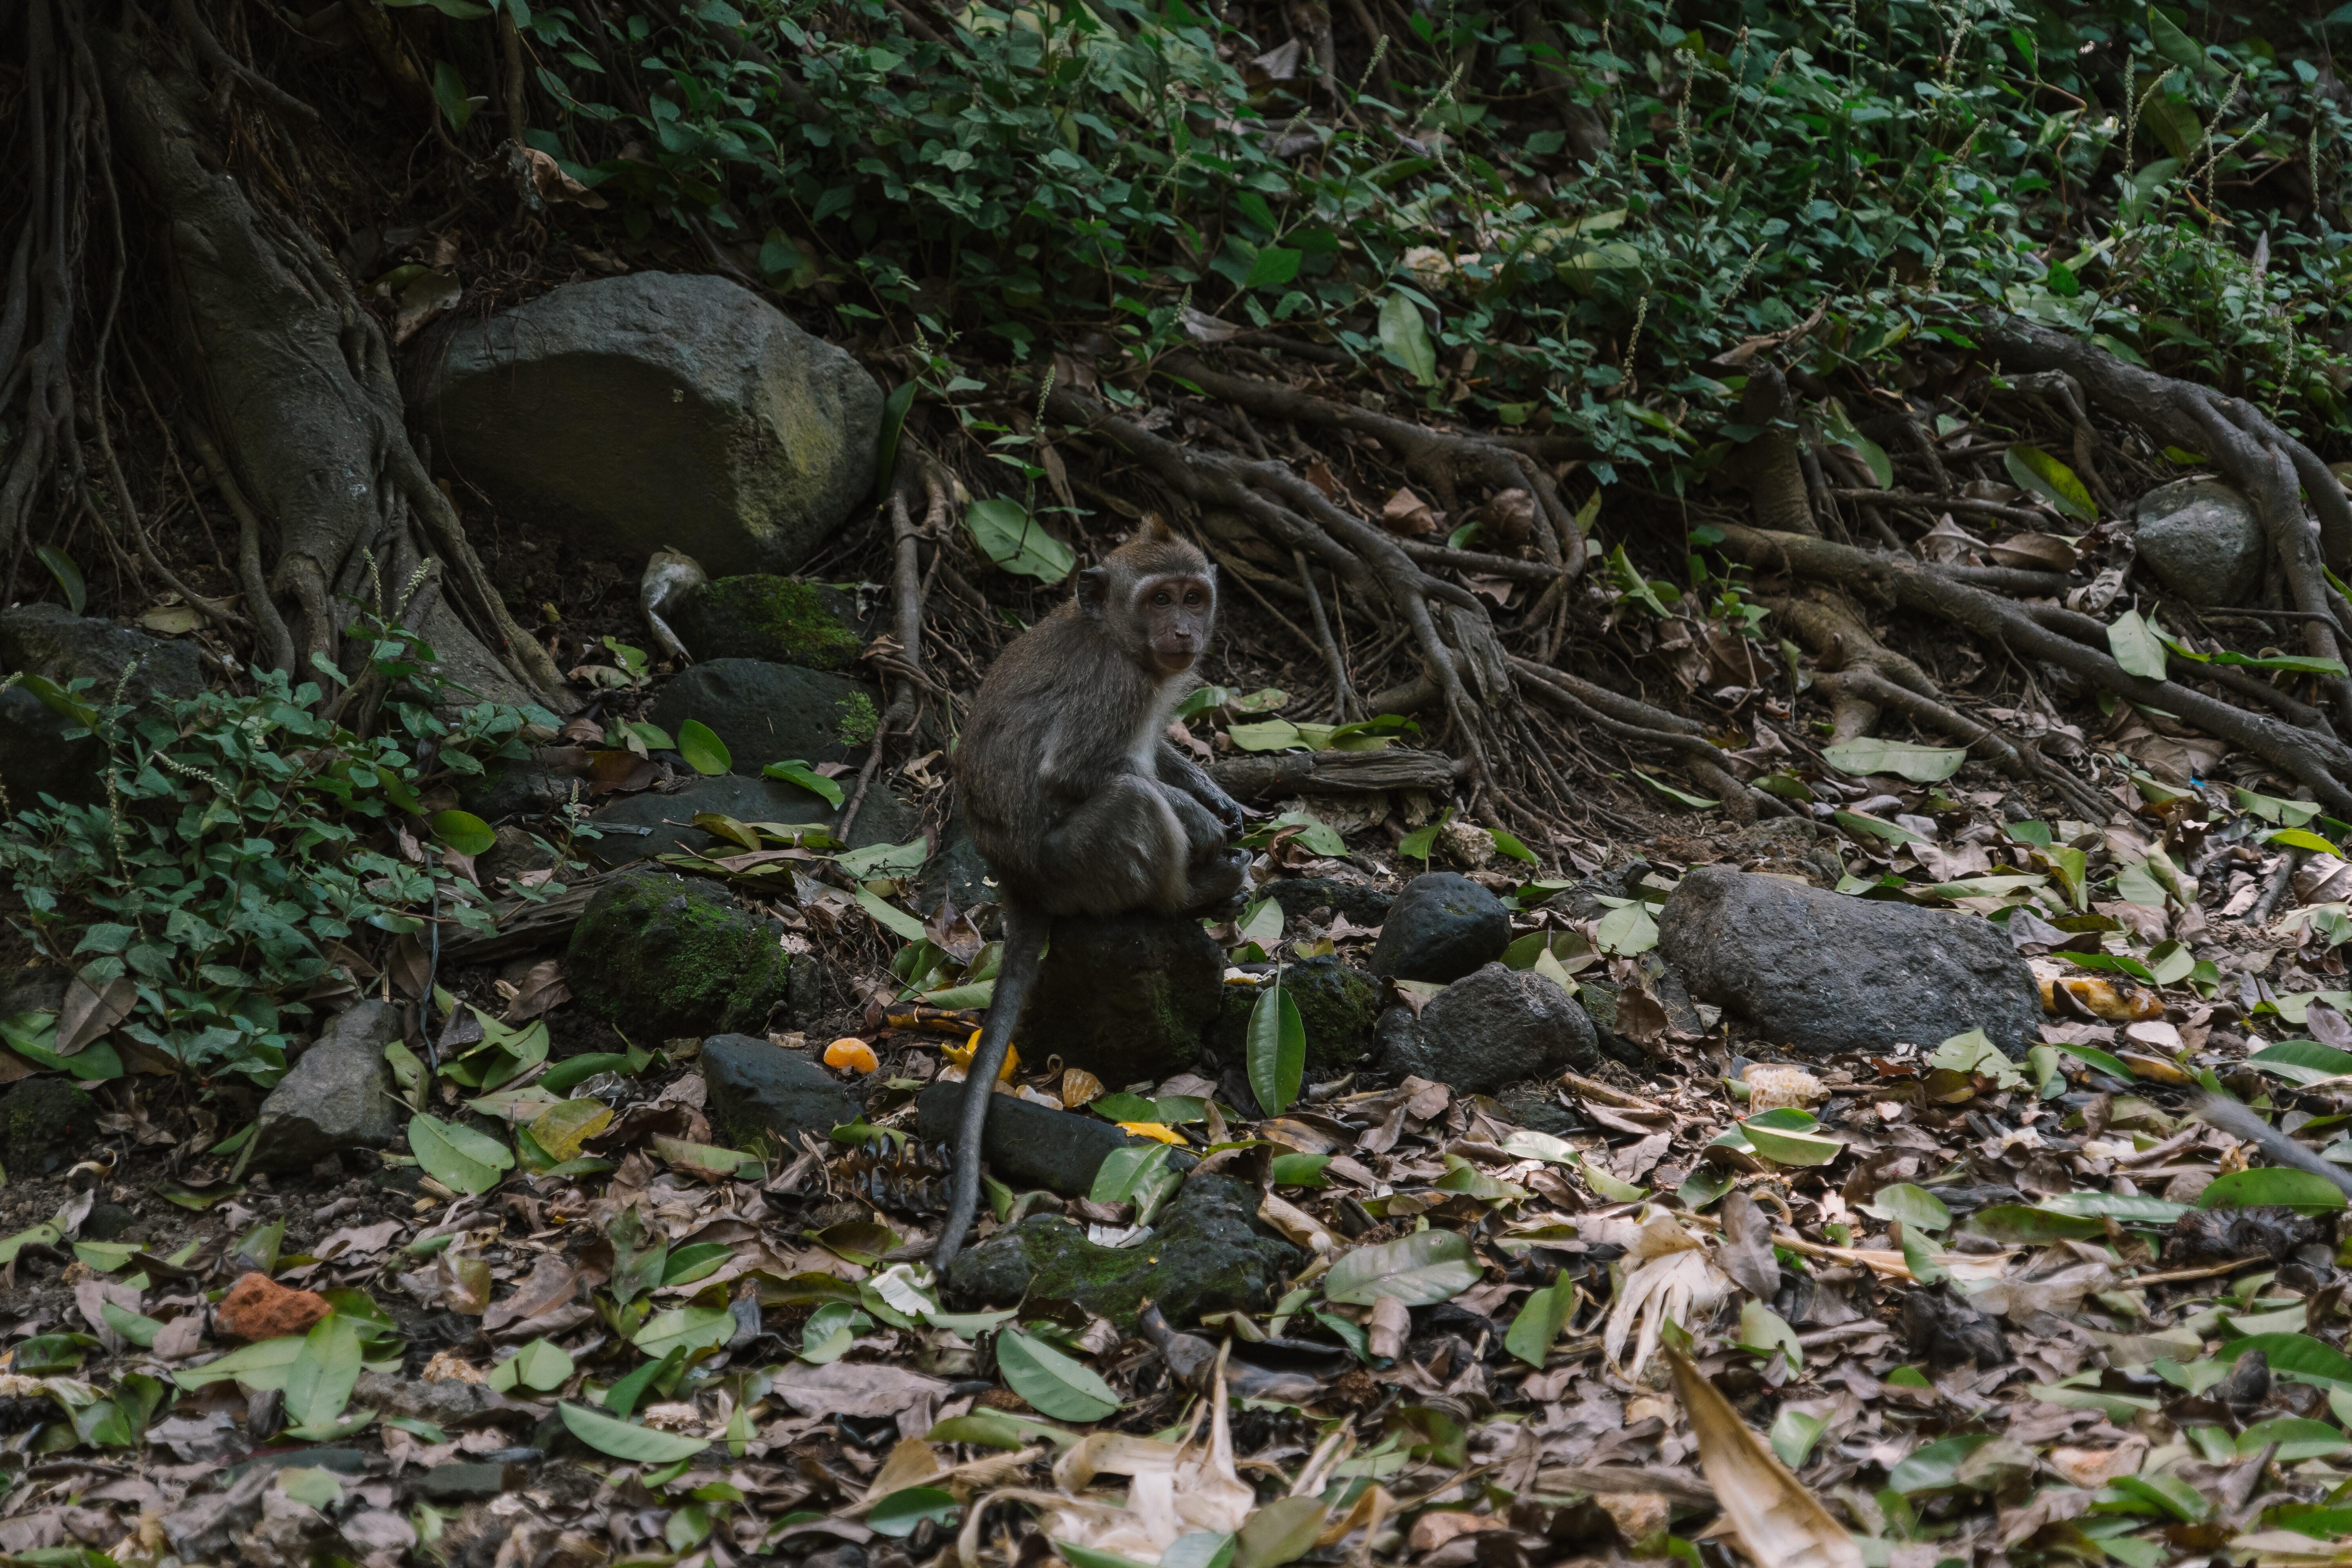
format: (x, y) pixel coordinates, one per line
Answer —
(1076, 798)
(2242, 1123)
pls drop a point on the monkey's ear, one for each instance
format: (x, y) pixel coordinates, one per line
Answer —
(1155, 530)
(1094, 585)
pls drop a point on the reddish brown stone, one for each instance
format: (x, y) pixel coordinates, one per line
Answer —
(258, 1307)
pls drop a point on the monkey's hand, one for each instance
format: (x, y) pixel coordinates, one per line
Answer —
(1181, 771)
(1230, 813)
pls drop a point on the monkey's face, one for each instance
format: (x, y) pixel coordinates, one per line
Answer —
(1175, 614)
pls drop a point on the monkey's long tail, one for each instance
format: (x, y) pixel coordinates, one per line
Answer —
(2242, 1124)
(1024, 944)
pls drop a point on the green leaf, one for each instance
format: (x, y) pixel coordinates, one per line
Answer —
(888, 915)
(2306, 1192)
(1920, 765)
(690, 1329)
(1274, 267)
(2053, 481)
(464, 832)
(1277, 1049)
(704, 752)
(626, 1440)
(1696, 802)
(68, 575)
(1280, 1531)
(1625, 932)
(1419, 1270)
(1052, 1383)
(457, 1157)
(1016, 541)
(1791, 1148)
(2299, 1357)
(320, 1382)
(2299, 1438)
(2301, 838)
(2175, 44)
(1875, 827)
(449, 92)
(260, 1365)
(898, 1514)
(1406, 339)
(1299, 1169)
(1916, 1207)
(1079, 1556)
(894, 424)
(808, 778)
(1793, 1435)
(2137, 650)
(542, 1366)
(2302, 1061)
(1540, 1319)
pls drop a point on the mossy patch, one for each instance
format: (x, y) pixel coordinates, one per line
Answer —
(45, 1124)
(660, 957)
(777, 619)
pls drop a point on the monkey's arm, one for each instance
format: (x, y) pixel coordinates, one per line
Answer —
(1176, 768)
(2281, 1150)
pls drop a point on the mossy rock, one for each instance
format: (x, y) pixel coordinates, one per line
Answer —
(1207, 1253)
(1127, 997)
(1337, 1005)
(660, 957)
(45, 1124)
(777, 619)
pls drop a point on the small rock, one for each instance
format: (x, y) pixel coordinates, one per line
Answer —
(338, 1096)
(106, 1221)
(1207, 1253)
(661, 955)
(757, 1089)
(1337, 1005)
(1536, 1107)
(1941, 1326)
(1820, 972)
(1131, 998)
(774, 713)
(475, 1482)
(1300, 897)
(447, 1402)
(883, 819)
(660, 411)
(1027, 1145)
(772, 618)
(258, 1307)
(1499, 1026)
(2204, 541)
(35, 759)
(1442, 927)
(45, 1124)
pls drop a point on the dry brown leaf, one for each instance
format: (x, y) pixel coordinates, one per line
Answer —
(1405, 512)
(89, 1011)
(1390, 1326)
(1668, 1274)
(1779, 1523)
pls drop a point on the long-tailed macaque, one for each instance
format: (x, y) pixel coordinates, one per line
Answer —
(1074, 793)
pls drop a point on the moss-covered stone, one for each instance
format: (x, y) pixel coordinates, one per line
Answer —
(773, 618)
(1207, 1253)
(1337, 1005)
(659, 956)
(1128, 997)
(45, 1124)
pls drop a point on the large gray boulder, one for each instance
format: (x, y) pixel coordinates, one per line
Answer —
(774, 713)
(2204, 541)
(338, 1096)
(668, 820)
(1499, 1026)
(1821, 972)
(35, 757)
(660, 410)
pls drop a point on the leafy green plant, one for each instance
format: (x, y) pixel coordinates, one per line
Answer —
(250, 844)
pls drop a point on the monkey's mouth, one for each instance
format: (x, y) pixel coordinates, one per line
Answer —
(1175, 660)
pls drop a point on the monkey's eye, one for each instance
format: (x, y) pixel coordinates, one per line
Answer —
(1162, 599)
(1193, 598)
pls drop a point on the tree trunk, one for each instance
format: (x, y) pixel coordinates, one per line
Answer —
(298, 392)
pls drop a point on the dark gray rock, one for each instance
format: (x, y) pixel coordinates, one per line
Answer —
(1818, 972)
(33, 990)
(45, 1124)
(1337, 1005)
(1127, 998)
(779, 619)
(1208, 1253)
(35, 757)
(1536, 1107)
(1442, 927)
(1599, 999)
(106, 1222)
(1026, 1145)
(338, 1096)
(774, 713)
(883, 819)
(760, 1089)
(475, 1480)
(1301, 897)
(1499, 1026)
(957, 872)
(660, 957)
(660, 411)
(2204, 541)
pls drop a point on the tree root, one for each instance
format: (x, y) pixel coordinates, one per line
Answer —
(1630, 719)
(2321, 761)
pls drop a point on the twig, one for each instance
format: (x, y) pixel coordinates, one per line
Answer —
(1343, 695)
(209, 49)
(277, 643)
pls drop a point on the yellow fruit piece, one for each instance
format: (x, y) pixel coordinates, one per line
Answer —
(961, 1055)
(1078, 1087)
(851, 1052)
(1152, 1130)
(2112, 1001)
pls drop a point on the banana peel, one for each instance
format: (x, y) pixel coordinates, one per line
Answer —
(2110, 998)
